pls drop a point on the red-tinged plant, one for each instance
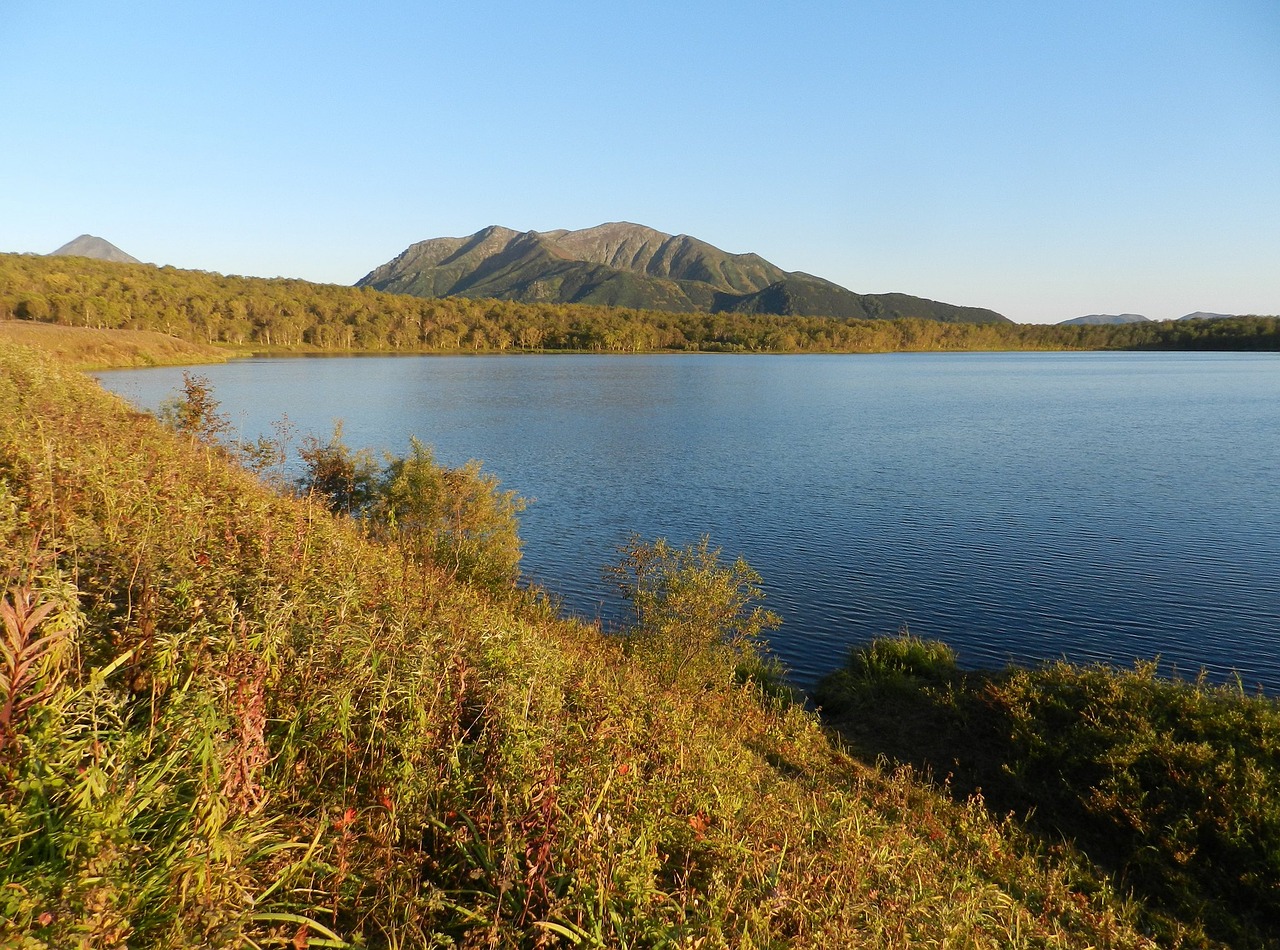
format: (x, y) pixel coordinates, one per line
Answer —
(242, 768)
(24, 680)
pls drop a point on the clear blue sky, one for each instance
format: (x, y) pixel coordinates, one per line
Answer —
(1044, 160)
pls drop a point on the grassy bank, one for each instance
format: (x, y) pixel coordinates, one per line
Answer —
(89, 348)
(1172, 788)
(232, 719)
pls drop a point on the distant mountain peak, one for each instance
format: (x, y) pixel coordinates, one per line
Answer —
(87, 245)
(630, 265)
(1104, 318)
(1202, 315)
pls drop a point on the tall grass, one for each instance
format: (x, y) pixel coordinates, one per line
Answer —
(259, 726)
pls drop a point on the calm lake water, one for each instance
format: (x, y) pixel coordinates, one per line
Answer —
(1026, 506)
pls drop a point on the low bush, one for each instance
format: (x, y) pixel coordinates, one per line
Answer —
(1171, 788)
(904, 657)
(695, 617)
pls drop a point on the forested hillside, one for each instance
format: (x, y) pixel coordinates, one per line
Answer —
(257, 313)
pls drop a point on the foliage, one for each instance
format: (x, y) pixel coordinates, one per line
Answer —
(343, 478)
(904, 657)
(694, 616)
(33, 661)
(89, 348)
(269, 728)
(1172, 787)
(453, 519)
(267, 455)
(195, 412)
(295, 315)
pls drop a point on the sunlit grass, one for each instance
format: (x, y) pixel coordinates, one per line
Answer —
(88, 348)
(264, 727)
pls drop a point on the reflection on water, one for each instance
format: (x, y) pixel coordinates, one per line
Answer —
(1026, 506)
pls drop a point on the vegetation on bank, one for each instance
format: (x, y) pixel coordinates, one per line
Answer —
(300, 316)
(233, 718)
(1170, 787)
(86, 348)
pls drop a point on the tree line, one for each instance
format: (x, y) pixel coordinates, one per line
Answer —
(290, 314)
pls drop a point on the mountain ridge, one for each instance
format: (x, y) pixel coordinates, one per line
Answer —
(631, 265)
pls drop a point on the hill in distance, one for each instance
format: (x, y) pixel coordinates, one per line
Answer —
(1201, 315)
(1092, 319)
(87, 245)
(629, 265)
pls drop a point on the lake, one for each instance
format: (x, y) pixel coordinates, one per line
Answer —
(1020, 506)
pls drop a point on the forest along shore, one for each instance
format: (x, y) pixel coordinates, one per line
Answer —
(282, 315)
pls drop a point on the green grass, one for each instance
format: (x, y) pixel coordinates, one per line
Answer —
(1170, 788)
(236, 720)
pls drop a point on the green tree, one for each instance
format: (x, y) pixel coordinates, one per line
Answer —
(194, 412)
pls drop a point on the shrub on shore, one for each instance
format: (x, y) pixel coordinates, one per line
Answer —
(1171, 787)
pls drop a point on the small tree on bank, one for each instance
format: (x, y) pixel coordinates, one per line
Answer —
(694, 615)
(455, 519)
(343, 478)
(194, 412)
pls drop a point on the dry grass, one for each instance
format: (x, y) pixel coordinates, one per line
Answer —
(87, 348)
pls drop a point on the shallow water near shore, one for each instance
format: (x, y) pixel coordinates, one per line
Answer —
(1020, 506)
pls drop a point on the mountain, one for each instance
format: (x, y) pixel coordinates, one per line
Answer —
(1107, 318)
(86, 245)
(629, 265)
(1201, 315)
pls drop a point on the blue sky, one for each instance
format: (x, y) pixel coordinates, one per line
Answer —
(1044, 160)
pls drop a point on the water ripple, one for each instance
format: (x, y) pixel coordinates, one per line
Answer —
(1097, 507)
